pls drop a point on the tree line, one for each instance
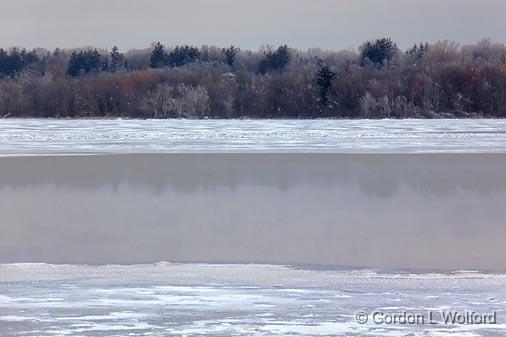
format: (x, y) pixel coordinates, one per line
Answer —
(378, 80)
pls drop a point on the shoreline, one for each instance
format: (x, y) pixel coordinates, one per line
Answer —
(269, 153)
(477, 117)
(338, 269)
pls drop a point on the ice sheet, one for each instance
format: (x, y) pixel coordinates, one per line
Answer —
(49, 136)
(235, 300)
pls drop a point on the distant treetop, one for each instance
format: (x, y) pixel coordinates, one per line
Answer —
(438, 80)
(275, 59)
(178, 57)
(378, 52)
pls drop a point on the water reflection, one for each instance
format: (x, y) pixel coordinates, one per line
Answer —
(425, 211)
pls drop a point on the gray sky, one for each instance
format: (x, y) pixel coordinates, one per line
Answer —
(328, 24)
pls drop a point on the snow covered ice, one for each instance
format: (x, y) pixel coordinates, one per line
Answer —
(37, 136)
(234, 300)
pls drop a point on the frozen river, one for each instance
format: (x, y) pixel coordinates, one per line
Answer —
(38, 136)
(414, 195)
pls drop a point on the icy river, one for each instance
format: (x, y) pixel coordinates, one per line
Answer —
(272, 228)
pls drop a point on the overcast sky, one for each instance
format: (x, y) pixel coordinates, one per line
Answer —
(328, 24)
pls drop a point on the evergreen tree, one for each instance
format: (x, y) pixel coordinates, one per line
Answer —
(324, 78)
(182, 55)
(275, 60)
(158, 57)
(230, 54)
(4, 63)
(418, 51)
(118, 61)
(378, 52)
(14, 62)
(204, 55)
(178, 57)
(85, 62)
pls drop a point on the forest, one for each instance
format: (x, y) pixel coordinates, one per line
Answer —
(438, 80)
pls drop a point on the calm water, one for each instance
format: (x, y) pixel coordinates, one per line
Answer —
(37, 136)
(418, 210)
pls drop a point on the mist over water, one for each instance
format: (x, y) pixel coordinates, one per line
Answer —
(427, 211)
